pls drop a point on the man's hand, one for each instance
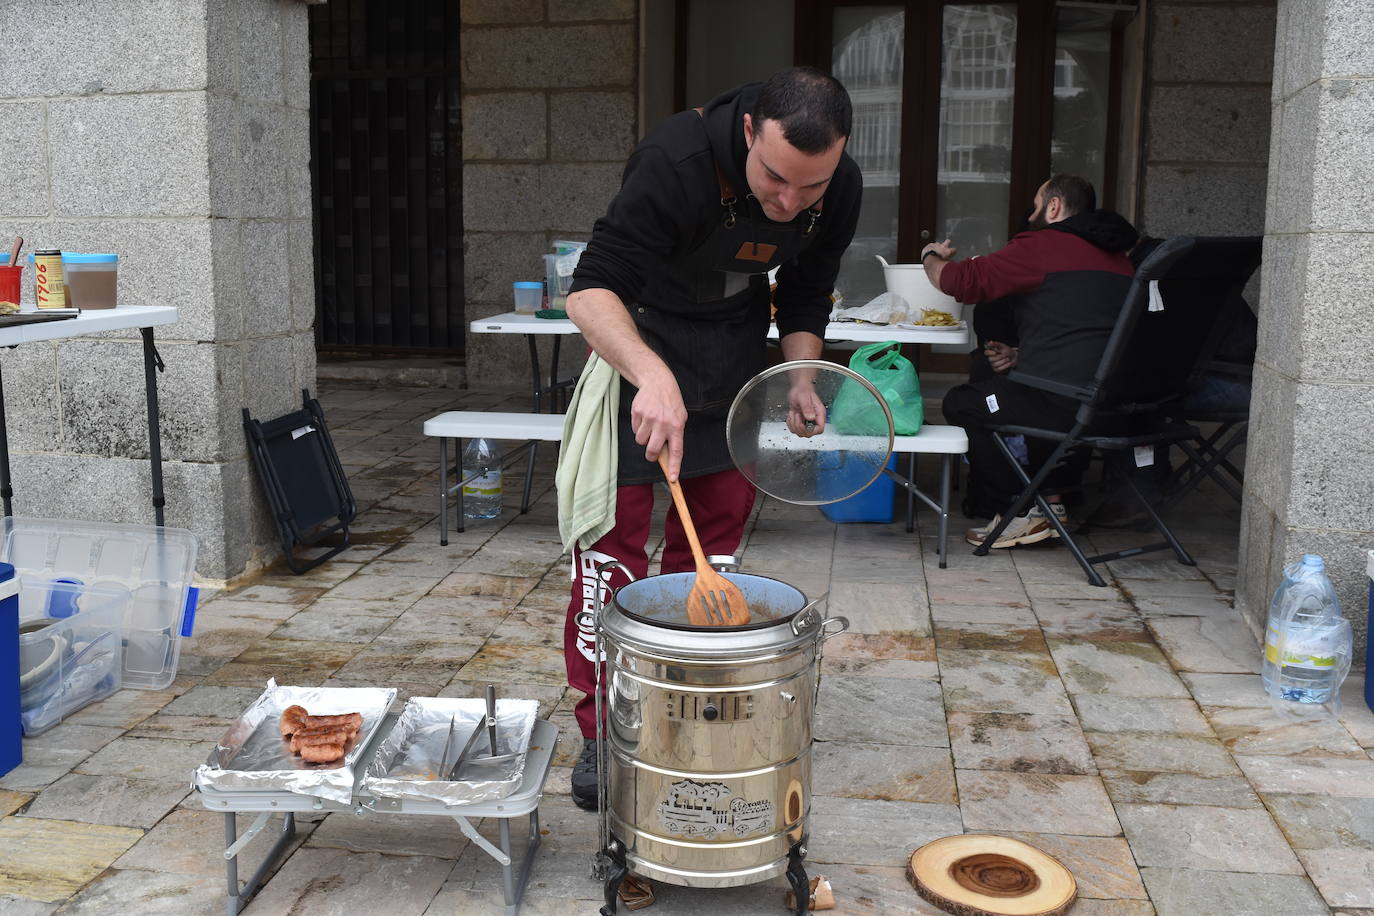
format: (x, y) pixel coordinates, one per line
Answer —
(657, 418)
(944, 250)
(1001, 357)
(941, 254)
(805, 412)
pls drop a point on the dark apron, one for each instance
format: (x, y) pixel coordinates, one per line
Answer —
(707, 316)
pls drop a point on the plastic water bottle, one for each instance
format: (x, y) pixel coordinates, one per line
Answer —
(481, 494)
(1308, 643)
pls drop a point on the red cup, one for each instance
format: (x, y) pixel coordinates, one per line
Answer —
(10, 282)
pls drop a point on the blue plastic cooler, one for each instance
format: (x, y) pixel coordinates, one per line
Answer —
(11, 752)
(871, 504)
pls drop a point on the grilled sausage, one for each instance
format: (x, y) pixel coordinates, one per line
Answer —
(322, 753)
(291, 719)
(352, 719)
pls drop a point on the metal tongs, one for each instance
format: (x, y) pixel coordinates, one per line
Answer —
(489, 721)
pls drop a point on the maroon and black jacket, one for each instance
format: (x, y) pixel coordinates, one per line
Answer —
(1066, 284)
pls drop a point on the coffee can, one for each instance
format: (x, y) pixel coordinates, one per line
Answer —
(49, 285)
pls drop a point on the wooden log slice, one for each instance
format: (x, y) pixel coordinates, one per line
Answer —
(979, 875)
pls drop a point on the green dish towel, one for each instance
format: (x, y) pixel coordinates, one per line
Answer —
(587, 463)
(550, 313)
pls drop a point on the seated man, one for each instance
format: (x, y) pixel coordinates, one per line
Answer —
(1066, 278)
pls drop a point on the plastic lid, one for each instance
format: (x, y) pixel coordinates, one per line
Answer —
(1313, 561)
(528, 284)
(90, 258)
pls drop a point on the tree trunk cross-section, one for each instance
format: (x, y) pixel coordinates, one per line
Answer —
(977, 875)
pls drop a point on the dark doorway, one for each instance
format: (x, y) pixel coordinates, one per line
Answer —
(386, 159)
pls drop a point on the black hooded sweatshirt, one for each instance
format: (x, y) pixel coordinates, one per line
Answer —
(1067, 283)
(670, 202)
(695, 282)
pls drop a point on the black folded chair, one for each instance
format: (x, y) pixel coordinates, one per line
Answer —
(1210, 453)
(303, 480)
(1150, 360)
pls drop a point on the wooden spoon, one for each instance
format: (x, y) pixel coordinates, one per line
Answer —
(714, 600)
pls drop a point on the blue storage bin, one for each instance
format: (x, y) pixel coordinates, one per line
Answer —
(11, 747)
(871, 504)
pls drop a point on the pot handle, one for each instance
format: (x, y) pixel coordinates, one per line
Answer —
(589, 619)
(828, 632)
(810, 617)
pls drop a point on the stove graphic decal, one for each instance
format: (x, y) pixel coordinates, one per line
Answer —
(709, 809)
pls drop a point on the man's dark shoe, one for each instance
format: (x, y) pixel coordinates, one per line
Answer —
(584, 777)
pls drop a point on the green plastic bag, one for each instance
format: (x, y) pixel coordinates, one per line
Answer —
(856, 413)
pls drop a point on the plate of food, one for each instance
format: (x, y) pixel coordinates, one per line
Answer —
(934, 320)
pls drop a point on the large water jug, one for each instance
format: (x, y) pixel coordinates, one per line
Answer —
(1308, 643)
(481, 494)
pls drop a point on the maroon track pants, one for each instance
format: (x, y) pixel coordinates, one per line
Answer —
(720, 504)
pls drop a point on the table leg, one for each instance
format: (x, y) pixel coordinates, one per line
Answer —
(508, 871)
(555, 393)
(946, 465)
(231, 865)
(152, 364)
(534, 367)
(911, 497)
(458, 459)
(443, 491)
(5, 490)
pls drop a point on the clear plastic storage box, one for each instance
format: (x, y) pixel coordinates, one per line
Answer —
(153, 566)
(69, 651)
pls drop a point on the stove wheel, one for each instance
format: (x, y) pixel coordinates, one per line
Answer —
(616, 854)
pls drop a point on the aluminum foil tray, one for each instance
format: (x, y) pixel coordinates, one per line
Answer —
(253, 755)
(407, 765)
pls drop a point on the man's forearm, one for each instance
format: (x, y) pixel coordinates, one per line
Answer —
(606, 324)
(935, 265)
(801, 345)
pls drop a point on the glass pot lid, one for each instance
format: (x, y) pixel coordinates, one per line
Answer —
(809, 463)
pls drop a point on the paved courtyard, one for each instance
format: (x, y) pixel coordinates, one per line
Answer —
(1122, 729)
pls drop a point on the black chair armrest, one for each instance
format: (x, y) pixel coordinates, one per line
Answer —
(1051, 385)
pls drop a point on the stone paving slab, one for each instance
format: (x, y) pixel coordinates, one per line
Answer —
(883, 772)
(1156, 715)
(49, 860)
(190, 841)
(881, 833)
(1206, 837)
(12, 801)
(880, 711)
(987, 681)
(1045, 802)
(314, 882)
(1193, 754)
(1145, 787)
(116, 801)
(1019, 742)
(1260, 731)
(1341, 875)
(1334, 776)
(1196, 892)
(1132, 669)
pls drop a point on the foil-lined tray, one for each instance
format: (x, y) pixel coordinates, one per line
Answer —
(410, 762)
(253, 755)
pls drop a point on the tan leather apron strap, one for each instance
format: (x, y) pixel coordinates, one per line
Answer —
(727, 191)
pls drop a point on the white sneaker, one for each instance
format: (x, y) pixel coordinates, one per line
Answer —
(1031, 528)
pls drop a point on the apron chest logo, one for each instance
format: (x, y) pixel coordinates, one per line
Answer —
(752, 251)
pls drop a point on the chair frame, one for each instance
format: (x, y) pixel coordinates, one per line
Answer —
(1103, 398)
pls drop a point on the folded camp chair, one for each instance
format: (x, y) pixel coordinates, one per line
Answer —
(303, 481)
(1151, 355)
(1210, 454)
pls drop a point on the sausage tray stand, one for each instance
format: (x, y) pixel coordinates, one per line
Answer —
(524, 800)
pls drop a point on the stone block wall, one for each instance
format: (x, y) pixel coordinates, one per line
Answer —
(1310, 476)
(1206, 117)
(175, 134)
(549, 117)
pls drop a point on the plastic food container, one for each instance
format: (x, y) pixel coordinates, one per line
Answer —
(66, 663)
(11, 748)
(529, 296)
(153, 566)
(92, 279)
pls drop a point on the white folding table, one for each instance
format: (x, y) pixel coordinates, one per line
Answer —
(534, 328)
(143, 317)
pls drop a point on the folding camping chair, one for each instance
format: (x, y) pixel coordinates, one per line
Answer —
(1151, 356)
(303, 481)
(1215, 448)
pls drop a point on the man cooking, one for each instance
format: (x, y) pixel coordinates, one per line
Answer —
(673, 293)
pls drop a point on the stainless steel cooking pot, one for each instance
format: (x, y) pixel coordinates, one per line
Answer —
(709, 731)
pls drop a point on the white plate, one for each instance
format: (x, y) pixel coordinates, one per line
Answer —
(931, 327)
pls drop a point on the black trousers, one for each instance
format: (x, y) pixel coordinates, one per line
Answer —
(993, 483)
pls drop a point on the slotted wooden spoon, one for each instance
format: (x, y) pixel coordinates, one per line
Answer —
(714, 600)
